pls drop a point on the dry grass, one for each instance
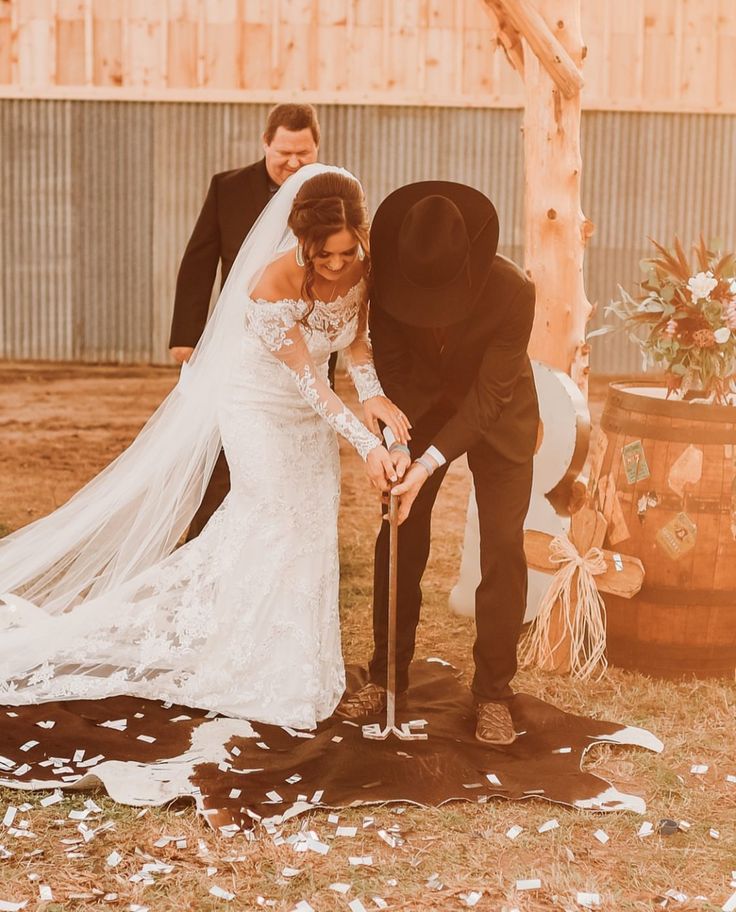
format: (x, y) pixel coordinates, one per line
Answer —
(464, 844)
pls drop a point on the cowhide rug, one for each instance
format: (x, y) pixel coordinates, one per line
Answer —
(147, 753)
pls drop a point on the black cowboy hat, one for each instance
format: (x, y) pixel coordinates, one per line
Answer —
(432, 247)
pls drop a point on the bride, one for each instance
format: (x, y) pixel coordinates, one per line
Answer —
(94, 599)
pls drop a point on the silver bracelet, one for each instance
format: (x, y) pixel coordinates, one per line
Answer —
(397, 447)
(426, 463)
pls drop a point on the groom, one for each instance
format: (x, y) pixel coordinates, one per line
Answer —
(450, 322)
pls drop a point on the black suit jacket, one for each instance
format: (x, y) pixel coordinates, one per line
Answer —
(479, 386)
(234, 201)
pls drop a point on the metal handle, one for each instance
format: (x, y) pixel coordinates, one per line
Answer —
(393, 551)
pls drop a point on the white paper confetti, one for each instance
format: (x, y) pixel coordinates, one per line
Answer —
(53, 798)
(548, 825)
(471, 899)
(493, 779)
(340, 887)
(714, 833)
(291, 872)
(28, 745)
(356, 906)
(117, 724)
(346, 831)
(317, 796)
(149, 739)
(514, 831)
(357, 860)
(221, 894)
(12, 906)
(730, 778)
(45, 893)
(646, 829)
(79, 815)
(46, 724)
(601, 836)
(303, 906)
(9, 816)
(114, 859)
(530, 884)
(588, 900)
(699, 769)
(730, 904)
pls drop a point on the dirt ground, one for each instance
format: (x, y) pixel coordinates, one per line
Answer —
(62, 423)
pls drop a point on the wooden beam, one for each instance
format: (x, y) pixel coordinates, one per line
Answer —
(528, 22)
(507, 36)
(555, 229)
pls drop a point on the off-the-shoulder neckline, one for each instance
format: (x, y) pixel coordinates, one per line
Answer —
(342, 297)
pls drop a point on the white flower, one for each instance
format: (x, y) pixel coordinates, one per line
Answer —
(671, 328)
(701, 285)
(722, 335)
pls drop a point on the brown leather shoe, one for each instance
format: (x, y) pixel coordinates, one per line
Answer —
(495, 725)
(368, 701)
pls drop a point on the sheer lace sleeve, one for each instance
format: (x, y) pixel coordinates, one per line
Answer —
(276, 324)
(359, 360)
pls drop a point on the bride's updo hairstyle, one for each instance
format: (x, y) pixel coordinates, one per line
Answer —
(324, 205)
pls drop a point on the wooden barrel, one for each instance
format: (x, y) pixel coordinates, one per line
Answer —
(664, 474)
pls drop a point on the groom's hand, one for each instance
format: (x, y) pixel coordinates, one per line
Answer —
(408, 489)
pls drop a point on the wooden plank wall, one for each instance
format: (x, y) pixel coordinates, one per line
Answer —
(648, 55)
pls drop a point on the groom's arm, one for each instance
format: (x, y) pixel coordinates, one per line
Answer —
(494, 385)
(392, 358)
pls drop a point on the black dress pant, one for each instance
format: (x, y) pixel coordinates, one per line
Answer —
(214, 495)
(502, 491)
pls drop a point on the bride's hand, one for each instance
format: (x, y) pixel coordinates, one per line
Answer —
(380, 468)
(379, 408)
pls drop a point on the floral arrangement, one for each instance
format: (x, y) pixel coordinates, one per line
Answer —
(685, 320)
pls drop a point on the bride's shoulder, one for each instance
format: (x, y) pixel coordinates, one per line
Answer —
(281, 280)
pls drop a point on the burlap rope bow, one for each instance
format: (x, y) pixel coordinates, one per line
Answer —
(583, 618)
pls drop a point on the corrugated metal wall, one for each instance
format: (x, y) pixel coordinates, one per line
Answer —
(98, 199)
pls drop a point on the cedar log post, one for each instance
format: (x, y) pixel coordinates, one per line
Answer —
(556, 231)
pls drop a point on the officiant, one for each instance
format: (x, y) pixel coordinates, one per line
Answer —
(234, 201)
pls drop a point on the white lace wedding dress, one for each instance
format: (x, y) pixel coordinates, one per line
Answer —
(243, 619)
